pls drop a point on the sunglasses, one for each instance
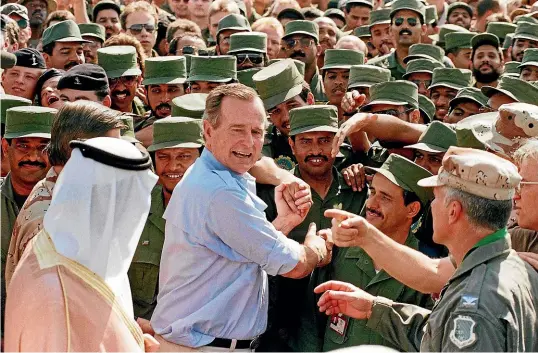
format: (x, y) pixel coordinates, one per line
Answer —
(189, 50)
(22, 23)
(303, 43)
(426, 83)
(411, 21)
(256, 59)
(137, 29)
(126, 80)
(393, 112)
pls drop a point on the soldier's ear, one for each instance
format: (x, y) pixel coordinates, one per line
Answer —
(413, 209)
(4, 148)
(414, 116)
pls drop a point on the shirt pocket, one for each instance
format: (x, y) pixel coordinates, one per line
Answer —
(144, 278)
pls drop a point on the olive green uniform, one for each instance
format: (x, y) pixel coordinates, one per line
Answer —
(389, 61)
(489, 304)
(316, 86)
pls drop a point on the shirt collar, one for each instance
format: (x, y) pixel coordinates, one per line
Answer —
(213, 163)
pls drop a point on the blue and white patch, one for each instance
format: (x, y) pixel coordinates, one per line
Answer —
(462, 334)
(469, 302)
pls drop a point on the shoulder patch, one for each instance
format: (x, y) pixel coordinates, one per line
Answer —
(462, 334)
(285, 162)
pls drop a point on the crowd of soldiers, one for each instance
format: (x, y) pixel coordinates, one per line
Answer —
(331, 174)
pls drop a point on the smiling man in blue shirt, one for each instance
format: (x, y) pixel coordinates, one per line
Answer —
(219, 246)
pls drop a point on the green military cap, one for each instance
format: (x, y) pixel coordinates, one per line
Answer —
(525, 18)
(379, 17)
(439, 38)
(118, 61)
(412, 5)
(514, 88)
(424, 51)
(466, 138)
(367, 75)
(65, 31)
(406, 174)
(176, 132)
(29, 121)
(530, 58)
(459, 5)
(92, 30)
(128, 133)
(313, 118)
(335, 13)
(308, 28)
(248, 41)
(361, 2)
(222, 68)
(394, 93)
(421, 65)
(278, 82)
(512, 67)
(431, 14)
(469, 94)
(234, 22)
(501, 29)
(245, 76)
(451, 78)
(191, 105)
(485, 39)
(165, 70)
(458, 40)
(508, 41)
(526, 30)
(8, 101)
(299, 64)
(362, 32)
(342, 58)
(437, 138)
(426, 108)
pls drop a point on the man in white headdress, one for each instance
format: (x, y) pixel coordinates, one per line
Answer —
(70, 291)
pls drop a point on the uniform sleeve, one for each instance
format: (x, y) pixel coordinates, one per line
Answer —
(400, 324)
(471, 331)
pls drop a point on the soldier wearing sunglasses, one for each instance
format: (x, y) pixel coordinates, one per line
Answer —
(249, 49)
(19, 14)
(140, 19)
(406, 28)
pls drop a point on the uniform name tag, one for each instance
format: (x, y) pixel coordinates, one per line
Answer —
(339, 324)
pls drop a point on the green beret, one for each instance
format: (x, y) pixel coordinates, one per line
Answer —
(342, 58)
(29, 121)
(165, 70)
(222, 68)
(176, 132)
(367, 75)
(278, 83)
(451, 78)
(191, 105)
(312, 118)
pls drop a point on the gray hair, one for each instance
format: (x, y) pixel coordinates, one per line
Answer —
(481, 212)
(528, 150)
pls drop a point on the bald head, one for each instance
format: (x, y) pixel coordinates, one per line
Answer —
(352, 43)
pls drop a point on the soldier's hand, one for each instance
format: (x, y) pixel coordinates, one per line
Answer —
(531, 258)
(326, 235)
(355, 176)
(352, 101)
(317, 244)
(344, 298)
(348, 229)
(150, 343)
(145, 326)
(354, 124)
(298, 196)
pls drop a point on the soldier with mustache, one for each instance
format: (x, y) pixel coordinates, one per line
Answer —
(380, 31)
(38, 10)
(63, 45)
(486, 59)
(95, 34)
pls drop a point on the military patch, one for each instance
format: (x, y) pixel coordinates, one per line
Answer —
(462, 335)
(469, 301)
(285, 162)
(416, 226)
(337, 206)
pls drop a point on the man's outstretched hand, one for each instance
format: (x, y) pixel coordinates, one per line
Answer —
(344, 298)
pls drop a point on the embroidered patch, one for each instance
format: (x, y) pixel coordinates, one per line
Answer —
(462, 335)
(469, 301)
(285, 162)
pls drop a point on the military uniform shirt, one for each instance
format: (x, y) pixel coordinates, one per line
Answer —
(389, 61)
(316, 86)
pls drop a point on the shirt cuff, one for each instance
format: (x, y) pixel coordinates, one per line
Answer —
(284, 256)
(380, 309)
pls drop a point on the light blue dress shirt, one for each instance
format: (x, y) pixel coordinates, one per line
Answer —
(218, 250)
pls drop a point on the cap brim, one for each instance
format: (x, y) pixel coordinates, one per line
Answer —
(93, 35)
(447, 84)
(15, 135)
(164, 81)
(380, 23)
(209, 78)
(233, 29)
(368, 106)
(72, 40)
(489, 91)
(273, 101)
(313, 129)
(427, 147)
(459, 100)
(430, 182)
(417, 72)
(389, 176)
(361, 84)
(173, 144)
(337, 66)
(256, 50)
(528, 63)
(525, 36)
(300, 32)
(417, 56)
(120, 73)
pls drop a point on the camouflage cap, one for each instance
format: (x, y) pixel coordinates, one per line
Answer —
(514, 88)
(437, 138)
(222, 68)
(485, 39)
(501, 29)
(452, 78)
(424, 51)
(426, 108)
(378, 17)
(512, 67)
(362, 32)
(508, 41)
(278, 83)
(367, 75)
(176, 132)
(92, 30)
(29, 121)
(245, 76)
(298, 64)
(412, 5)
(118, 61)
(8, 101)
(191, 105)
(165, 70)
(394, 93)
(431, 14)
(65, 31)
(312, 118)
(530, 58)
(458, 40)
(459, 5)
(439, 38)
(14, 8)
(342, 58)
(128, 133)
(304, 27)
(248, 41)
(526, 30)
(476, 172)
(234, 22)
(421, 65)
(469, 94)
(405, 174)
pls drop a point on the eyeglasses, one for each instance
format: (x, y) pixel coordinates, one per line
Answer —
(22, 23)
(256, 59)
(137, 29)
(426, 83)
(125, 80)
(522, 183)
(303, 42)
(189, 50)
(411, 21)
(92, 45)
(393, 112)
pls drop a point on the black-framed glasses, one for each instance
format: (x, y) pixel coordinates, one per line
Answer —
(411, 21)
(126, 80)
(426, 83)
(22, 23)
(137, 28)
(393, 112)
(255, 58)
(303, 43)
